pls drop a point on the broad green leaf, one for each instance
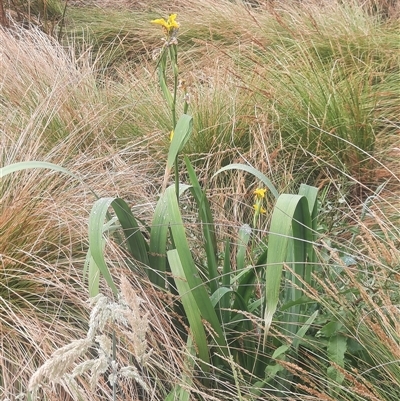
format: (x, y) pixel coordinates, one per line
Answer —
(134, 238)
(280, 351)
(225, 302)
(243, 241)
(158, 244)
(330, 329)
(246, 281)
(96, 221)
(93, 274)
(218, 294)
(251, 170)
(90, 268)
(182, 134)
(190, 305)
(162, 78)
(158, 240)
(207, 224)
(271, 371)
(197, 287)
(12, 168)
(21, 166)
(311, 193)
(290, 240)
(226, 268)
(337, 347)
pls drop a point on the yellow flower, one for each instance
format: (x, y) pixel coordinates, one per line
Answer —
(171, 21)
(171, 135)
(259, 209)
(170, 25)
(160, 21)
(260, 193)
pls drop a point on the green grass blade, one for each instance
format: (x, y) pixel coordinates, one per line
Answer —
(225, 302)
(93, 272)
(179, 392)
(246, 282)
(251, 170)
(303, 330)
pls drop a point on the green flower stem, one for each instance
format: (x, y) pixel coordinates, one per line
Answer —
(185, 107)
(257, 212)
(174, 60)
(173, 53)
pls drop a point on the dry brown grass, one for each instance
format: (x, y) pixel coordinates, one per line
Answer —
(55, 107)
(43, 215)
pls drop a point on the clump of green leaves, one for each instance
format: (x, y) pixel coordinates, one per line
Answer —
(220, 305)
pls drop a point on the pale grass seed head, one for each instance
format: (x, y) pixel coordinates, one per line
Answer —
(55, 368)
(125, 313)
(97, 366)
(138, 321)
(104, 312)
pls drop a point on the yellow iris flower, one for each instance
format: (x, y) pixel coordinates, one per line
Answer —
(259, 209)
(170, 25)
(260, 193)
(172, 21)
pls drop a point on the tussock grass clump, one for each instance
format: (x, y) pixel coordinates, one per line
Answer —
(49, 113)
(323, 86)
(319, 79)
(303, 92)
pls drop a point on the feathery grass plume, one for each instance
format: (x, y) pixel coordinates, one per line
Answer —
(59, 364)
(139, 324)
(65, 361)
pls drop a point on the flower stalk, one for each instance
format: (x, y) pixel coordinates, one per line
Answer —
(170, 52)
(259, 196)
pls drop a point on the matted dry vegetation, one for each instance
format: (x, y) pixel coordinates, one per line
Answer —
(92, 104)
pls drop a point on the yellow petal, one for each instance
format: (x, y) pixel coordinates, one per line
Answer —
(260, 193)
(160, 21)
(172, 24)
(259, 209)
(171, 135)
